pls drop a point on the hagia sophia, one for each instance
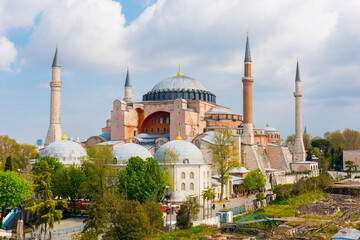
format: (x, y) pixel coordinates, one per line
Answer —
(181, 114)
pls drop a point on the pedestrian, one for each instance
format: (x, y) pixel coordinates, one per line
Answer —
(213, 206)
(224, 205)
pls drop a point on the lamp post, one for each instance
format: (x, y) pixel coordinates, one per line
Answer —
(167, 189)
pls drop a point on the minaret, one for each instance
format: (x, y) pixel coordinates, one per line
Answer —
(127, 93)
(54, 132)
(248, 135)
(299, 150)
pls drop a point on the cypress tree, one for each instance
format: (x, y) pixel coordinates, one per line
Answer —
(8, 164)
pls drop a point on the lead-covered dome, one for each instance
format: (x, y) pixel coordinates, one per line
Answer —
(128, 150)
(68, 152)
(188, 152)
(179, 86)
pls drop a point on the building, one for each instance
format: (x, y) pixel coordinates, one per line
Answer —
(351, 155)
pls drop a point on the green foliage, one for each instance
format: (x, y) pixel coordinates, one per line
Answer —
(188, 212)
(254, 180)
(316, 152)
(54, 166)
(142, 180)
(155, 214)
(14, 190)
(283, 192)
(8, 164)
(98, 216)
(169, 158)
(87, 235)
(48, 210)
(302, 186)
(289, 139)
(351, 167)
(225, 155)
(67, 182)
(198, 232)
(19, 153)
(321, 144)
(131, 222)
(260, 196)
(100, 176)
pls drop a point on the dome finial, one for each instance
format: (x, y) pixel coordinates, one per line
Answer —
(130, 140)
(179, 73)
(64, 137)
(267, 124)
(179, 137)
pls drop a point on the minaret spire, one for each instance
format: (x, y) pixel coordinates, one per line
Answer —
(299, 150)
(54, 132)
(247, 96)
(127, 89)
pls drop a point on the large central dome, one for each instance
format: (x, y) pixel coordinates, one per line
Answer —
(179, 82)
(179, 86)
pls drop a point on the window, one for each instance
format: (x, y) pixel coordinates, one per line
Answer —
(191, 175)
(151, 121)
(152, 130)
(183, 186)
(191, 186)
(158, 130)
(164, 130)
(204, 175)
(197, 143)
(204, 184)
(135, 133)
(164, 118)
(146, 130)
(89, 144)
(182, 175)
(95, 141)
(208, 174)
(158, 120)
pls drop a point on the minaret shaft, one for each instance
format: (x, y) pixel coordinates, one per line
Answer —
(248, 134)
(299, 150)
(54, 132)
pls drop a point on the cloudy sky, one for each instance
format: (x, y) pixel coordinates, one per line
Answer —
(99, 38)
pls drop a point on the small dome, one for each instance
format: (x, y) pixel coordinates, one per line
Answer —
(218, 110)
(188, 152)
(68, 152)
(177, 197)
(179, 82)
(128, 150)
(270, 129)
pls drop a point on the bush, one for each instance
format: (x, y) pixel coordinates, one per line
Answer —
(283, 192)
(260, 196)
(187, 213)
(155, 214)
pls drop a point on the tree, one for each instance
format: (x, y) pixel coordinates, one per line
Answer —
(67, 182)
(208, 194)
(316, 152)
(48, 210)
(155, 213)
(321, 144)
(290, 138)
(169, 158)
(7, 147)
(351, 139)
(254, 180)
(142, 180)
(14, 190)
(307, 141)
(260, 197)
(99, 174)
(351, 167)
(54, 166)
(130, 222)
(98, 215)
(8, 164)
(188, 212)
(225, 155)
(324, 164)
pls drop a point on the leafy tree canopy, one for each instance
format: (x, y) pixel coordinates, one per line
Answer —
(142, 180)
(188, 213)
(14, 190)
(254, 180)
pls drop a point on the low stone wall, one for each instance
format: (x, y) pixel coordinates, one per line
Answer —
(213, 221)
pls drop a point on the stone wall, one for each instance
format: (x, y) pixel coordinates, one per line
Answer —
(351, 155)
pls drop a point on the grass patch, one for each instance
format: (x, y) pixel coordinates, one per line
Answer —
(197, 232)
(285, 208)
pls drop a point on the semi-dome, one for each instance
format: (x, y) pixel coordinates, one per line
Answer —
(68, 152)
(188, 152)
(179, 86)
(218, 110)
(128, 150)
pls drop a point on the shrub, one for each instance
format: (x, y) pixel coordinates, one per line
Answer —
(283, 192)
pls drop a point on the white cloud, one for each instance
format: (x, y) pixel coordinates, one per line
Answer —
(8, 54)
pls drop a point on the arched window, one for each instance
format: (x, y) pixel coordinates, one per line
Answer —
(95, 141)
(183, 186)
(182, 175)
(152, 130)
(204, 175)
(191, 175)
(191, 186)
(146, 130)
(158, 130)
(204, 184)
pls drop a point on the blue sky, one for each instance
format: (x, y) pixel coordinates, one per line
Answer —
(99, 39)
